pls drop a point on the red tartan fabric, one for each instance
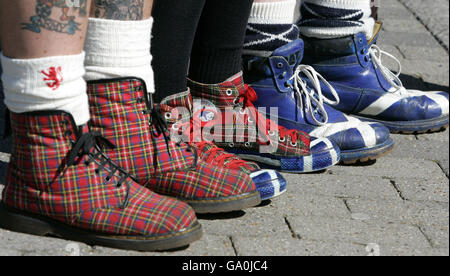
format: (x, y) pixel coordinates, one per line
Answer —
(119, 111)
(39, 181)
(178, 109)
(233, 96)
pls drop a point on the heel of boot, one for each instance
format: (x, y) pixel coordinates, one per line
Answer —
(17, 221)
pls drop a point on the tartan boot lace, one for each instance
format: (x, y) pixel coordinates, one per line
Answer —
(90, 144)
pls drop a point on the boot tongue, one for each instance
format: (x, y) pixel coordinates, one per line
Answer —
(293, 52)
(376, 33)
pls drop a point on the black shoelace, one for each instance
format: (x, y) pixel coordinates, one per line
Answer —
(90, 144)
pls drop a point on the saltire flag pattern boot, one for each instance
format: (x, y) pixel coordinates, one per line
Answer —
(282, 81)
(371, 91)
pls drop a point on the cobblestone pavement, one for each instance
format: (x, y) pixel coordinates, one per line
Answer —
(397, 206)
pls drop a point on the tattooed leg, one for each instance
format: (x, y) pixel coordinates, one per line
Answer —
(124, 10)
(42, 28)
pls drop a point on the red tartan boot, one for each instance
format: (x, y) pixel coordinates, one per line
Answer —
(178, 111)
(60, 183)
(122, 111)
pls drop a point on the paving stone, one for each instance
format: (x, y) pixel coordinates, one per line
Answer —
(260, 222)
(408, 212)
(29, 245)
(412, 251)
(412, 52)
(434, 14)
(404, 26)
(341, 186)
(348, 230)
(438, 234)
(298, 203)
(390, 167)
(424, 189)
(387, 14)
(444, 166)
(293, 247)
(209, 245)
(442, 136)
(421, 39)
(419, 150)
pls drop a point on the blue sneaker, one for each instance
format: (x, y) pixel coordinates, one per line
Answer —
(369, 90)
(281, 81)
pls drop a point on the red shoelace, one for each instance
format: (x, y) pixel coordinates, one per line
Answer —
(246, 99)
(216, 155)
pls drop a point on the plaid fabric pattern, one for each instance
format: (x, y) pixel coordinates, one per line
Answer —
(236, 132)
(39, 181)
(207, 152)
(119, 111)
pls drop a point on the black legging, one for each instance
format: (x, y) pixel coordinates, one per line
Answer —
(208, 33)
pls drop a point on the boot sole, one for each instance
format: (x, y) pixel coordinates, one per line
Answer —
(364, 156)
(225, 205)
(18, 221)
(413, 127)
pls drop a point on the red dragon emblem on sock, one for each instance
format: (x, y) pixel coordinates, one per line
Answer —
(53, 77)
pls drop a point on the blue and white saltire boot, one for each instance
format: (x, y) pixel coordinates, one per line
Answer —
(369, 90)
(281, 81)
(269, 183)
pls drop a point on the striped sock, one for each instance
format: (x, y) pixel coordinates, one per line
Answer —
(336, 18)
(270, 27)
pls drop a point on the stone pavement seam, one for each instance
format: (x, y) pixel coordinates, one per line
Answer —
(418, 18)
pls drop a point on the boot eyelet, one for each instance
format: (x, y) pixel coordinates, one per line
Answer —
(247, 144)
(294, 145)
(229, 92)
(280, 65)
(231, 145)
(175, 127)
(282, 140)
(236, 101)
(272, 133)
(242, 111)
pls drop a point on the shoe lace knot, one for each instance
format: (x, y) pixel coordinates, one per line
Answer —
(313, 100)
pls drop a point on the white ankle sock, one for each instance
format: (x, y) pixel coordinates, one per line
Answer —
(51, 83)
(336, 18)
(117, 49)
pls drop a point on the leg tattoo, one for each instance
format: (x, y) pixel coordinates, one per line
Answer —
(64, 22)
(119, 9)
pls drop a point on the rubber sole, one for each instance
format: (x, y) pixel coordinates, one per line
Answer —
(412, 127)
(225, 205)
(366, 155)
(18, 221)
